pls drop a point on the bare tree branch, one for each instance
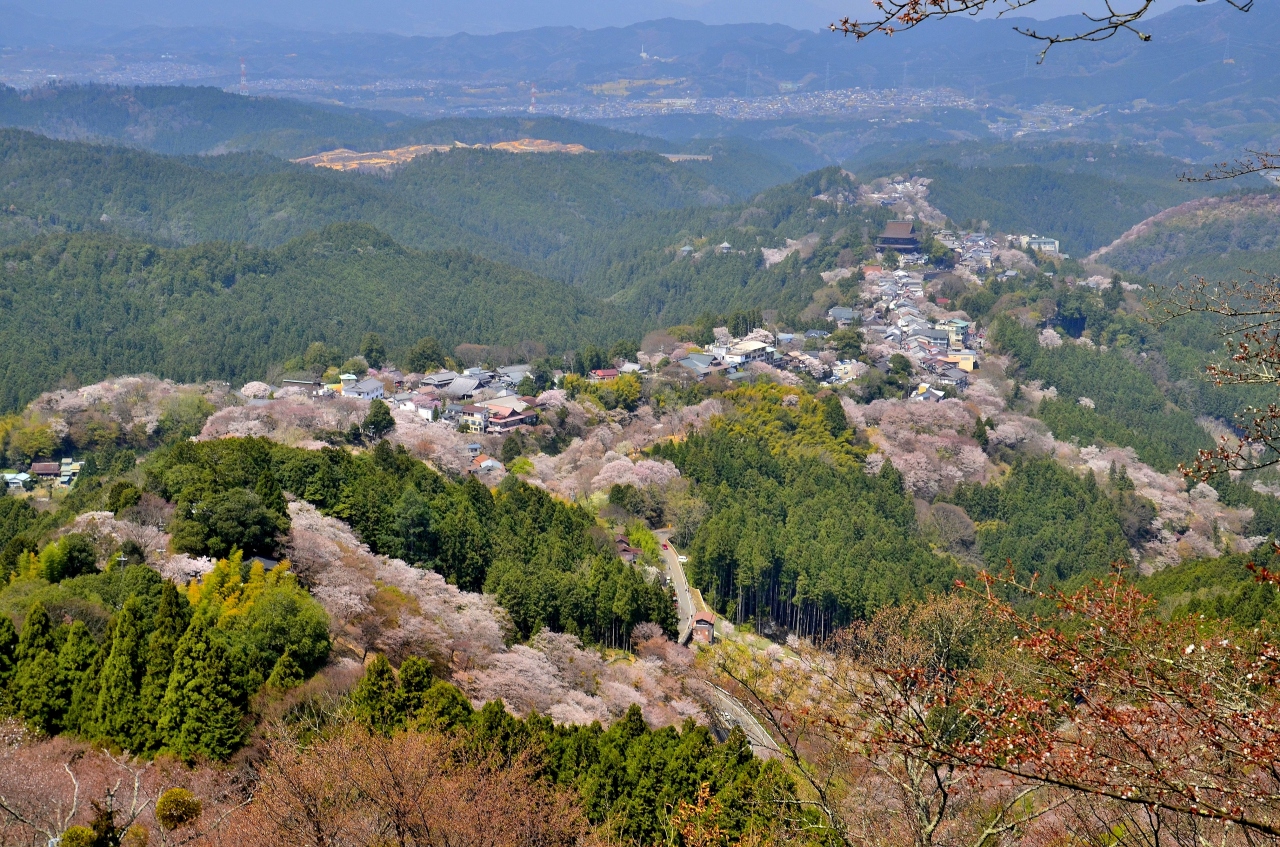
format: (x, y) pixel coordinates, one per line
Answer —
(1253, 162)
(900, 15)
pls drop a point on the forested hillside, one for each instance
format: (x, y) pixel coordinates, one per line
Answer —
(89, 306)
(1083, 195)
(464, 199)
(606, 222)
(613, 225)
(1217, 238)
(798, 534)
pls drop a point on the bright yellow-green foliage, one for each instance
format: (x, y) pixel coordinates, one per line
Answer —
(623, 391)
(520, 466)
(639, 535)
(792, 428)
(177, 807)
(224, 586)
(256, 604)
(28, 439)
(77, 836)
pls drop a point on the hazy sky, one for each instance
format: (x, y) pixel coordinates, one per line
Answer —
(438, 17)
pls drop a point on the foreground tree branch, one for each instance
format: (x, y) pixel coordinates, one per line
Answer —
(1109, 701)
(1249, 316)
(899, 15)
(1253, 162)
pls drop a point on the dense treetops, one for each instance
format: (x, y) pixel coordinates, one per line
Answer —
(797, 532)
(132, 661)
(1129, 408)
(627, 776)
(123, 657)
(93, 306)
(1045, 519)
(611, 223)
(541, 558)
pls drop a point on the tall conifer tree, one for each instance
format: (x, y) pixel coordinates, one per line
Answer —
(37, 633)
(36, 692)
(167, 628)
(75, 663)
(8, 648)
(201, 715)
(119, 714)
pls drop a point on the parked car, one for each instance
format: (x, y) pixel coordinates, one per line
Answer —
(682, 559)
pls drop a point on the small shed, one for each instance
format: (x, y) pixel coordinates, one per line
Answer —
(704, 627)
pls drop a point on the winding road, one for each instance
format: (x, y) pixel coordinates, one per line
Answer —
(675, 571)
(729, 710)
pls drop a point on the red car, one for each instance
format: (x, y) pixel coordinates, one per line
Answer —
(665, 547)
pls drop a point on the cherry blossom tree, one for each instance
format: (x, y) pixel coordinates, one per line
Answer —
(358, 788)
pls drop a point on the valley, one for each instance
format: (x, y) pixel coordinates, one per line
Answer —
(541, 439)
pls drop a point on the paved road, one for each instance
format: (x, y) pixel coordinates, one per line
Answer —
(725, 703)
(762, 743)
(684, 598)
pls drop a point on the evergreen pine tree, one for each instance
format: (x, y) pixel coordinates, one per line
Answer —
(286, 674)
(186, 659)
(378, 422)
(415, 682)
(167, 627)
(8, 648)
(269, 492)
(413, 531)
(119, 714)
(834, 416)
(75, 662)
(212, 716)
(37, 633)
(36, 692)
(374, 700)
(84, 698)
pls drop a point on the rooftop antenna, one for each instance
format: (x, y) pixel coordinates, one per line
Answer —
(244, 78)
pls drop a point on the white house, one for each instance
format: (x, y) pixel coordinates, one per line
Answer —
(365, 389)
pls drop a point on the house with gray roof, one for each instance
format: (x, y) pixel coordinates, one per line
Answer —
(365, 389)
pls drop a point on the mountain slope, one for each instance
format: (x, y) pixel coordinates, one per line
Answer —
(196, 119)
(610, 223)
(1214, 237)
(1085, 195)
(97, 305)
(507, 206)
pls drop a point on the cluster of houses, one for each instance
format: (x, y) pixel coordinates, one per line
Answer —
(63, 473)
(975, 251)
(729, 357)
(944, 347)
(477, 399)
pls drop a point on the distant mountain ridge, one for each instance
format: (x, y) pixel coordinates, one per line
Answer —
(1184, 61)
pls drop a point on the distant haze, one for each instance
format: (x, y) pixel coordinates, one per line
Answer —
(431, 17)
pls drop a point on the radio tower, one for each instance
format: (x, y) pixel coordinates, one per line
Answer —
(244, 78)
(533, 98)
